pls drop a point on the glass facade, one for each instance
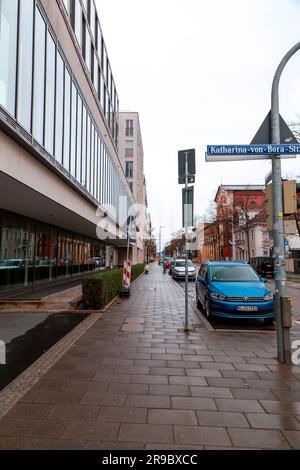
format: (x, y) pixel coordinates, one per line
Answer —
(25, 64)
(34, 253)
(57, 115)
(8, 54)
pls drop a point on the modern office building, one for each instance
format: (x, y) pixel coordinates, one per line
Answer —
(64, 197)
(131, 155)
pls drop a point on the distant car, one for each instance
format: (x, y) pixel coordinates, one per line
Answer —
(45, 262)
(15, 263)
(233, 290)
(178, 270)
(263, 265)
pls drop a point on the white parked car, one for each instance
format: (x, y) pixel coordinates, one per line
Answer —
(178, 271)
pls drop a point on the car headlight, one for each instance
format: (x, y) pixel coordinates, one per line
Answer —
(269, 296)
(218, 296)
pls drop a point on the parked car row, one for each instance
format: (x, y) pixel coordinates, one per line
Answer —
(177, 269)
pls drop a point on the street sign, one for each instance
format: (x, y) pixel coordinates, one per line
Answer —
(191, 156)
(188, 207)
(266, 150)
(227, 153)
(263, 134)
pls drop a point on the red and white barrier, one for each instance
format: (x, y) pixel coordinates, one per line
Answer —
(126, 273)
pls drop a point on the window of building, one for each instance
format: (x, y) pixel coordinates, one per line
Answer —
(252, 253)
(129, 128)
(88, 50)
(67, 119)
(104, 60)
(50, 95)
(99, 39)
(88, 154)
(73, 130)
(252, 235)
(95, 73)
(129, 149)
(85, 4)
(79, 139)
(25, 64)
(83, 159)
(129, 169)
(39, 78)
(8, 51)
(78, 22)
(59, 116)
(92, 17)
(92, 158)
(68, 6)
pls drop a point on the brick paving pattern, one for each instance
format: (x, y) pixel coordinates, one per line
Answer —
(136, 380)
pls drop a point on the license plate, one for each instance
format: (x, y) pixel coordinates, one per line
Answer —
(247, 308)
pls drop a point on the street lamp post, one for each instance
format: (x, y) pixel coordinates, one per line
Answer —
(161, 226)
(283, 334)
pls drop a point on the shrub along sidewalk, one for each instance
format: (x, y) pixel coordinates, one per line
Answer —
(100, 288)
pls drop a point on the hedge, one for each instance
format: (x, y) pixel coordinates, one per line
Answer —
(100, 288)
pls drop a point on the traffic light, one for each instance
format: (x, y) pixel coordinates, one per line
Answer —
(290, 203)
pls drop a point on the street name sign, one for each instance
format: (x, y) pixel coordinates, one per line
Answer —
(250, 152)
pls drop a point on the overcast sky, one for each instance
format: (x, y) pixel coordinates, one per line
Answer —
(199, 72)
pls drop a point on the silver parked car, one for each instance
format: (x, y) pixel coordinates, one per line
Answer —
(178, 270)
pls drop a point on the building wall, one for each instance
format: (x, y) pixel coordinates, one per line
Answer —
(131, 150)
(59, 122)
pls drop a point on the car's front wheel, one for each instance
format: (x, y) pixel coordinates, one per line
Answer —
(207, 308)
(199, 304)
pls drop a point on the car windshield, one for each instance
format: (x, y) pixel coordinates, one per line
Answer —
(181, 264)
(233, 273)
(13, 263)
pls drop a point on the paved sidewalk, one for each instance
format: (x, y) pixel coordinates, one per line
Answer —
(135, 380)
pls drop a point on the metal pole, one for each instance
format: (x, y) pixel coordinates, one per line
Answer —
(160, 244)
(186, 325)
(283, 334)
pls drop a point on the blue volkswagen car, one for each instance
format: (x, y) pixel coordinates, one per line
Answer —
(232, 289)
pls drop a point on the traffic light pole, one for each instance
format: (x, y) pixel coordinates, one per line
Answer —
(283, 334)
(185, 212)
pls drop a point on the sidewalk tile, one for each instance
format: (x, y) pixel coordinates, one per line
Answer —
(186, 417)
(178, 380)
(119, 415)
(149, 379)
(148, 401)
(225, 404)
(253, 394)
(258, 439)
(103, 399)
(212, 392)
(273, 421)
(92, 431)
(179, 390)
(192, 403)
(222, 419)
(293, 438)
(146, 433)
(201, 436)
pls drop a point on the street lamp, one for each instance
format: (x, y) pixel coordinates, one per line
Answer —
(161, 226)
